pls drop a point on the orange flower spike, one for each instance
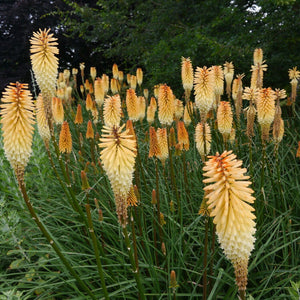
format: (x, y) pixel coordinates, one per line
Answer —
(183, 136)
(90, 130)
(88, 102)
(78, 118)
(93, 73)
(65, 138)
(162, 144)
(154, 147)
(298, 150)
(99, 92)
(58, 111)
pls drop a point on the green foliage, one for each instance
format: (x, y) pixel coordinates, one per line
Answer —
(154, 35)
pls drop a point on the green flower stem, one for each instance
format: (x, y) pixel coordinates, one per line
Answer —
(158, 201)
(134, 243)
(96, 250)
(53, 244)
(205, 259)
(136, 273)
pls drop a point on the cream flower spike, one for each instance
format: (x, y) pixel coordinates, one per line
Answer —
(17, 122)
(228, 197)
(118, 160)
(45, 64)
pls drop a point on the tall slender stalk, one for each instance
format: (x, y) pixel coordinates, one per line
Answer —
(96, 250)
(136, 272)
(49, 238)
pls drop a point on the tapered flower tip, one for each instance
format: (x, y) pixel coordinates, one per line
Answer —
(112, 111)
(187, 73)
(178, 109)
(17, 120)
(99, 91)
(165, 105)
(89, 131)
(115, 71)
(228, 197)
(258, 56)
(218, 76)
(224, 118)
(65, 138)
(44, 62)
(139, 76)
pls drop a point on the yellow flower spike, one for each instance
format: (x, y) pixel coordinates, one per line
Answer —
(228, 74)
(188, 109)
(294, 76)
(153, 103)
(58, 111)
(93, 73)
(266, 110)
(141, 107)
(115, 71)
(139, 76)
(162, 221)
(121, 77)
(133, 82)
(95, 113)
(218, 76)
(17, 125)
(150, 114)
(200, 141)
(112, 111)
(146, 94)
(99, 91)
(229, 196)
(224, 119)
(132, 105)
(118, 160)
(65, 139)
(258, 56)
(165, 105)
(114, 86)
(187, 76)
(204, 91)
(41, 120)
(45, 65)
(178, 108)
(162, 144)
(105, 83)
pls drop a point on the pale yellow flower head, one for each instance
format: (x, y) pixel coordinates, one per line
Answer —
(45, 64)
(228, 74)
(229, 196)
(118, 160)
(132, 105)
(178, 109)
(139, 76)
(204, 90)
(265, 110)
(187, 74)
(99, 91)
(112, 111)
(224, 118)
(165, 105)
(258, 56)
(17, 122)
